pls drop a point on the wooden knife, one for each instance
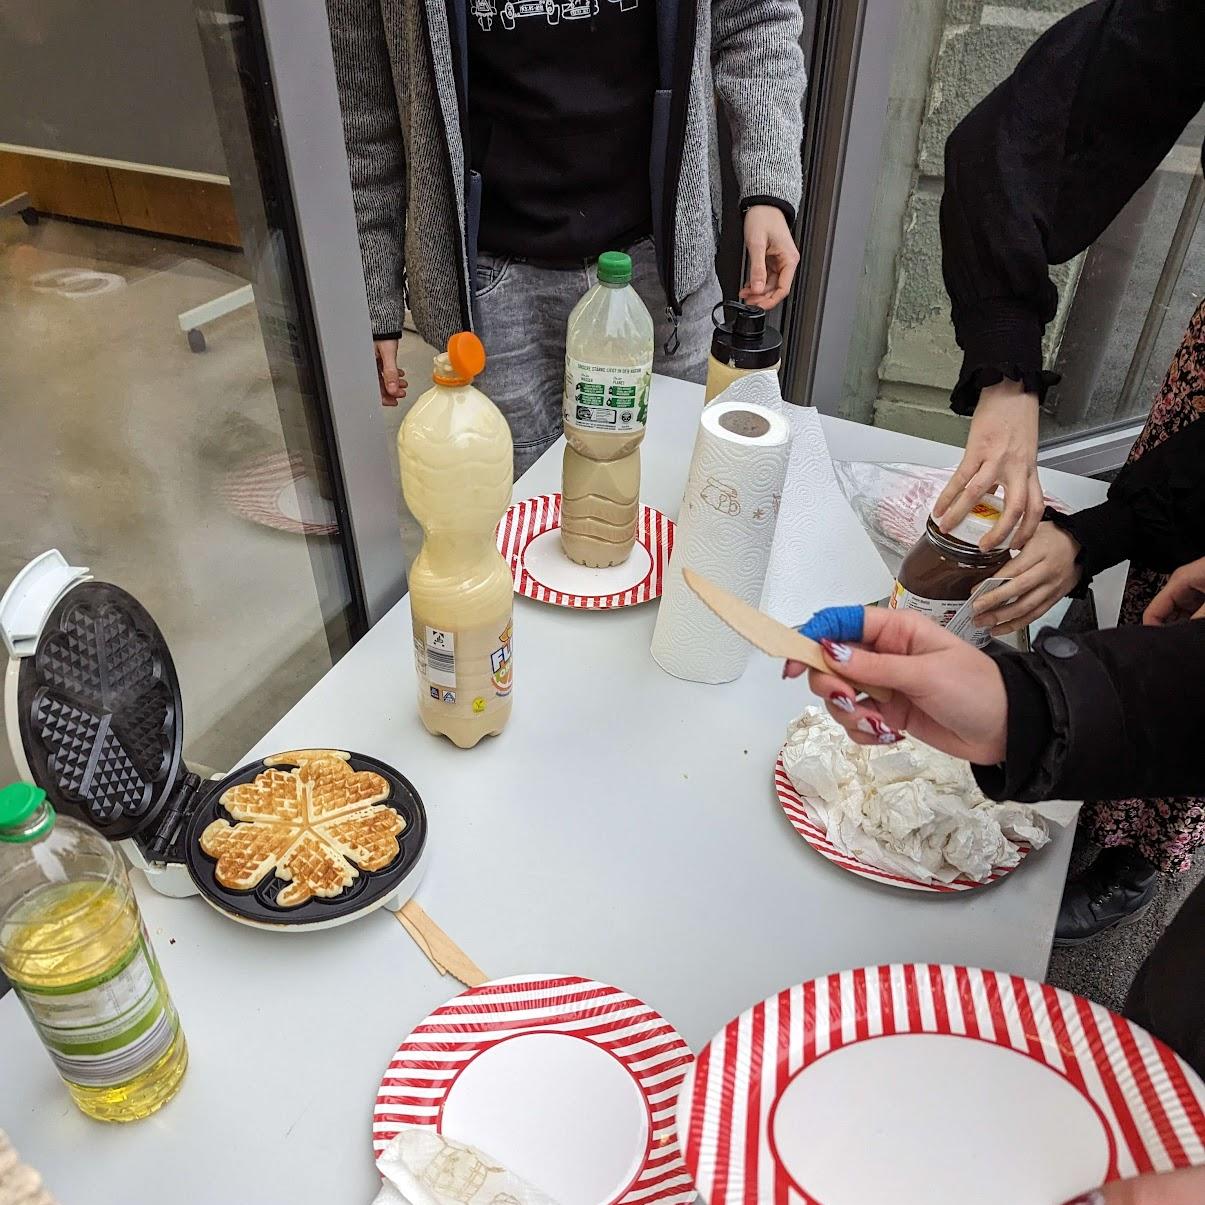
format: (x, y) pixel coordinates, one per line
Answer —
(767, 634)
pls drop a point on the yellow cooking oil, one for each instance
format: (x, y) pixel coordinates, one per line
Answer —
(73, 945)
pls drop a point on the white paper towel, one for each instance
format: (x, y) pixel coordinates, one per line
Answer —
(725, 532)
(822, 555)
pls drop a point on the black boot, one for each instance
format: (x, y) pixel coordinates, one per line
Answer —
(1118, 887)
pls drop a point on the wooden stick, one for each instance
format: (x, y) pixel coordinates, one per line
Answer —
(441, 951)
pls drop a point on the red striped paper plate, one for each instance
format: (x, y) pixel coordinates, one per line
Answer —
(569, 1083)
(932, 1084)
(277, 491)
(816, 836)
(529, 540)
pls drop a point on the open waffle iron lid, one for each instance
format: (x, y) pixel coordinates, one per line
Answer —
(101, 722)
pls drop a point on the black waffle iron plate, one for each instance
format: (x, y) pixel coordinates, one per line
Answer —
(102, 726)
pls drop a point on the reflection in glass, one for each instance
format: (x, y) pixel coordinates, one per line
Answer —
(162, 422)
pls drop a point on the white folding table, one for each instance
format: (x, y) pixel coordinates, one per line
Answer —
(624, 827)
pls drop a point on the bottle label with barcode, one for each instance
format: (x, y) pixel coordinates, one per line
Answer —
(466, 672)
(441, 657)
(106, 1030)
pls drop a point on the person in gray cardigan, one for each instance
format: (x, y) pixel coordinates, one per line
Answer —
(497, 147)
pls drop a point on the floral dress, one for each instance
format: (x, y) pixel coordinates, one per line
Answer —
(1165, 830)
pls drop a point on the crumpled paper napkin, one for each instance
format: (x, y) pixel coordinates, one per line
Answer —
(422, 1167)
(909, 809)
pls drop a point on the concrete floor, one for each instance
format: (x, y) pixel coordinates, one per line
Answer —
(1103, 969)
(116, 439)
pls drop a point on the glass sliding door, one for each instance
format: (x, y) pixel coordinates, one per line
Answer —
(169, 417)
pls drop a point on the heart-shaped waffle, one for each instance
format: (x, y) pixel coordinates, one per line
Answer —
(316, 825)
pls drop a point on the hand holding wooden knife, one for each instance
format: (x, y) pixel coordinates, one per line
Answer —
(767, 634)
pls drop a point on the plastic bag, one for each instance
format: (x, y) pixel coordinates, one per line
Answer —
(894, 500)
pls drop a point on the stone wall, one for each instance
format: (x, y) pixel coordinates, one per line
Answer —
(904, 360)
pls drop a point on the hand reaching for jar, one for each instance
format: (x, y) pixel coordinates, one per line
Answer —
(1002, 449)
(1044, 571)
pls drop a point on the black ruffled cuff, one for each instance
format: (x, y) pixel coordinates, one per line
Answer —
(972, 381)
(1000, 339)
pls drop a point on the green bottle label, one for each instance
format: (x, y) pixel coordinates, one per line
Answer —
(602, 397)
(104, 1031)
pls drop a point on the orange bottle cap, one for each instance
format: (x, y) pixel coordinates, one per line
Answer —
(465, 360)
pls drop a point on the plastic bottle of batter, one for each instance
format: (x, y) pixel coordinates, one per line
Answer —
(457, 462)
(944, 571)
(608, 368)
(742, 343)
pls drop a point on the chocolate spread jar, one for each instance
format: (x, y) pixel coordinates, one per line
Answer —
(943, 571)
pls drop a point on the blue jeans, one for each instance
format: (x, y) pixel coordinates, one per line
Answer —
(523, 311)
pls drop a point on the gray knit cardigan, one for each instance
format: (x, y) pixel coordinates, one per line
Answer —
(415, 202)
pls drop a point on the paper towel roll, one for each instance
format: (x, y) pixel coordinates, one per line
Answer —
(822, 556)
(725, 532)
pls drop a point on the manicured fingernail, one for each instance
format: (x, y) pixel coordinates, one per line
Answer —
(844, 702)
(879, 729)
(836, 651)
(784, 669)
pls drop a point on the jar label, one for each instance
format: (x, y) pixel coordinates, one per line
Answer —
(104, 1031)
(609, 398)
(467, 671)
(954, 614)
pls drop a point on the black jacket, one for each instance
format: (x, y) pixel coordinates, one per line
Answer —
(1047, 160)
(1107, 715)
(1154, 515)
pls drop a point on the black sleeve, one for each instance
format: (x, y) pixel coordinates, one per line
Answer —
(1155, 512)
(1038, 169)
(1106, 715)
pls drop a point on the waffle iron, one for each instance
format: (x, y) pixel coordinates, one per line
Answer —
(95, 718)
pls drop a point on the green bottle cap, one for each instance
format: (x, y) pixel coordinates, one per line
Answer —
(614, 268)
(19, 801)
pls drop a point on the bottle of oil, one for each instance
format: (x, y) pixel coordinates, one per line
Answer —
(608, 367)
(457, 461)
(73, 945)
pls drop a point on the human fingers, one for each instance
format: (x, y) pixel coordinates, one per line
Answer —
(1016, 500)
(896, 671)
(889, 631)
(864, 724)
(755, 246)
(391, 382)
(957, 483)
(1179, 597)
(984, 481)
(787, 264)
(995, 607)
(1027, 607)
(1035, 508)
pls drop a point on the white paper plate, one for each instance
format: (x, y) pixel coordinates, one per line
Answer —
(932, 1085)
(806, 824)
(569, 1083)
(529, 538)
